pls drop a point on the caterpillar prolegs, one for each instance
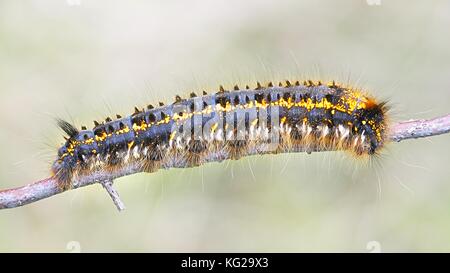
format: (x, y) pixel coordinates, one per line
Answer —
(289, 117)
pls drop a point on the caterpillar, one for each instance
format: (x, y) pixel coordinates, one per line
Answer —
(229, 124)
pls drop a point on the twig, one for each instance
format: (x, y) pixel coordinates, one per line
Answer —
(420, 128)
(108, 185)
(17, 197)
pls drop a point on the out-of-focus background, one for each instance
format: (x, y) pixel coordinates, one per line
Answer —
(83, 60)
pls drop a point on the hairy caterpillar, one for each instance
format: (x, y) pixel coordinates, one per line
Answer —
(290, 117)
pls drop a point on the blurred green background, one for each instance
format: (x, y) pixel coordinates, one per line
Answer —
(83, 60)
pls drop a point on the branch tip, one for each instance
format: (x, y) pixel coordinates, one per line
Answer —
(108, 186)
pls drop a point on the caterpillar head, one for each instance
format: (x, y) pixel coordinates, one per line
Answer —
(374, 122)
